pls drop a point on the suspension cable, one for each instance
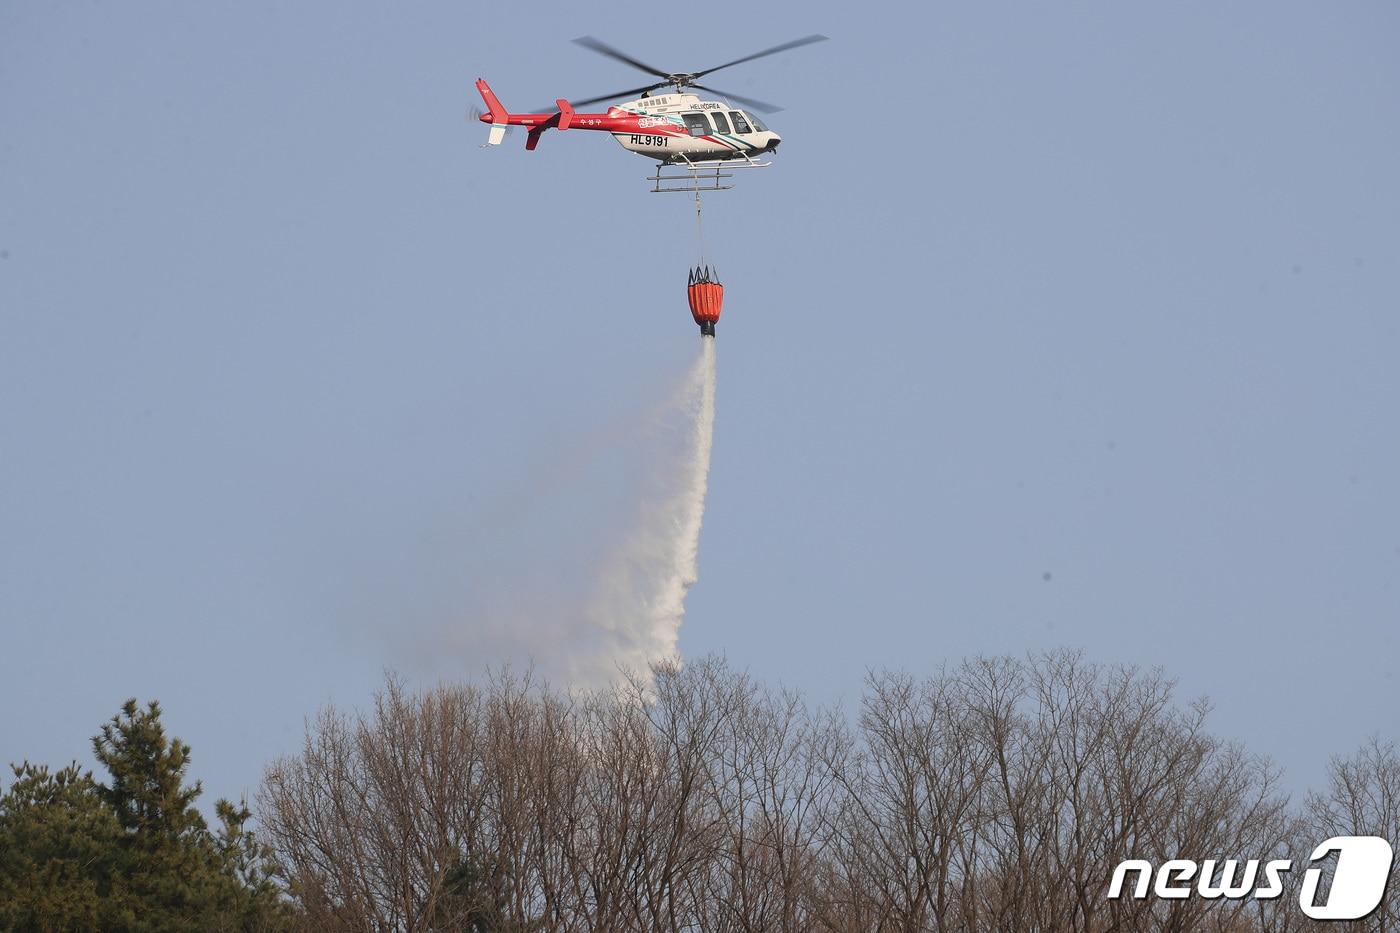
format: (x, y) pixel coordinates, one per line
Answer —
(699, 230)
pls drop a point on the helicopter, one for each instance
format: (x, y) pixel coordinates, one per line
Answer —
(674, 128)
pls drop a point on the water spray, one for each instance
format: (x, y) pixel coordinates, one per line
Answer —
(640, 600)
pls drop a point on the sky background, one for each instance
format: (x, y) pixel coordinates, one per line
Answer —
(1054, 325)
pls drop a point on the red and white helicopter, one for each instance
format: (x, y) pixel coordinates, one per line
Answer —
(675, 128)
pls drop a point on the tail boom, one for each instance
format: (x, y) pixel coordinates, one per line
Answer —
(564, 117)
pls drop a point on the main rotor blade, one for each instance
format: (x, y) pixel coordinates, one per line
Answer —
(632, 93)
(746, 101)
(795, 43)
(602, 48)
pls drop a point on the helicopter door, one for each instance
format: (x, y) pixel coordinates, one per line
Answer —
(740, 124)
(697, 124)
(721, 122)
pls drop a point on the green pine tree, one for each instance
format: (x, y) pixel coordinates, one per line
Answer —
(168, 858)
(59, 853)
(133, 854)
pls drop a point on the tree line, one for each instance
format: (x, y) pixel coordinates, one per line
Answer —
(998, 795)
(995, 795)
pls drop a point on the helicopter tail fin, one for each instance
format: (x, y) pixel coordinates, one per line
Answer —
(561, 120)
(498, 115)
(566, 113)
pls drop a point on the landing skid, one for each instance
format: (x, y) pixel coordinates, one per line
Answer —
(700, 176)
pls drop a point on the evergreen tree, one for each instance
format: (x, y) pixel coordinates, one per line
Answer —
(133, 854)
(257, 900)
(59, 853)
(168, 857)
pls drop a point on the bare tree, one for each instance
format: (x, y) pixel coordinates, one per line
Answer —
(998, 795)
(769, 789)
(1363, 799)
(376, 812)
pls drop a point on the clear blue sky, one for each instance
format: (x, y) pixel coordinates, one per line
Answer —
(294, 377)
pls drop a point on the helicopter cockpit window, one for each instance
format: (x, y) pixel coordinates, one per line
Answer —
(697, 124)
(758, 124)
(721, 121)
(740, 124)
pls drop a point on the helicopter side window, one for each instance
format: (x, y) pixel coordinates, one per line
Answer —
(697, 124)
(740, 124)
(721, 121)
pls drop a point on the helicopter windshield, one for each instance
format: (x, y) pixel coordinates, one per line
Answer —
(757, 124)
(740, 124)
